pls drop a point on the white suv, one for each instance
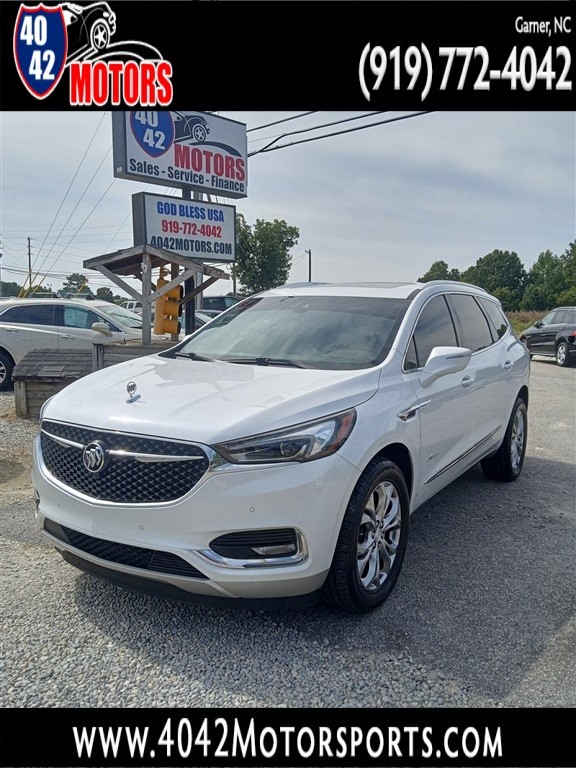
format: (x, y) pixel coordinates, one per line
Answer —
(276, 455)
(27, 324)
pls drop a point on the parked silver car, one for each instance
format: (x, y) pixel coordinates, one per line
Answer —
(27, 324)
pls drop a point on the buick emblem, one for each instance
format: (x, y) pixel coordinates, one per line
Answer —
(95, 456)
(131, 389)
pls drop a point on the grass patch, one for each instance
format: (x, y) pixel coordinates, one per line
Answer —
(522, 320)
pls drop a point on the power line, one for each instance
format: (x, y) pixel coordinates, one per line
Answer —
(317, 128)
(338, 133)
(277, 122)
(72, 182)
(76, 206)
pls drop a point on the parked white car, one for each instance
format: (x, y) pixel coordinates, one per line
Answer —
(27, 324)
(275, 456)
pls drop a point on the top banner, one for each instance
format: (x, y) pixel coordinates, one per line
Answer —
(356, 54)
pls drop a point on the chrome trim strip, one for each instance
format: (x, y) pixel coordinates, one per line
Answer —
(118, 432)
(63, 441)
(467, 453)
(149, 458)
(144, 458)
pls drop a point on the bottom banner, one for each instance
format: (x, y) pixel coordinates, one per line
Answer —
(283, 737)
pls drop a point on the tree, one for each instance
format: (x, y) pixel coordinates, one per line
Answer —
(75, 283)
(262, 253)
(105, 294)
(496, 271)
(544, 282)
(10, 289)
(439, 271)
(568, 267)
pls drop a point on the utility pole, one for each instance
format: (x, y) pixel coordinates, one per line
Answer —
(309, 252)
(29, 267)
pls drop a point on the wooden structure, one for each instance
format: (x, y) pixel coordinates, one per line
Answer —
(138, 262)
(105, 355)
(42, 373)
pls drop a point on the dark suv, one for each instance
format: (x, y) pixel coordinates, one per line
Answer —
(219, 303)
(553, 336)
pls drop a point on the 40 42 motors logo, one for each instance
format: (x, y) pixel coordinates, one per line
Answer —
(50, 39)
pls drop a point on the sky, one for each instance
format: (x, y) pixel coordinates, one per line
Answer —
(381, 203)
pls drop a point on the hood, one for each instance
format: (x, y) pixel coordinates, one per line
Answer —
(207, 402)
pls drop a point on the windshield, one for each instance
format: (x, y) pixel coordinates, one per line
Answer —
(122, 316)
(330, 332)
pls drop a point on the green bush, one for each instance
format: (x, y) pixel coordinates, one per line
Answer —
(522, 320)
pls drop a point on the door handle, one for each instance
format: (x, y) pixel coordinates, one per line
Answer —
(67, 336)
(508, 364)
(467, 381)
(409, 413)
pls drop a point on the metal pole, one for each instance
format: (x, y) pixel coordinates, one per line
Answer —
(29, 266)
(309, 265)
(189, 285)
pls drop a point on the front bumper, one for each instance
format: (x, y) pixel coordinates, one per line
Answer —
(310, 498)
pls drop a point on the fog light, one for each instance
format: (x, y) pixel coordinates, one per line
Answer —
(271, 547)
(284, 549)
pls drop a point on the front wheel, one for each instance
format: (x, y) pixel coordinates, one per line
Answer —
(6, 368)
(506, 464)
(563, 355)
(372, 541)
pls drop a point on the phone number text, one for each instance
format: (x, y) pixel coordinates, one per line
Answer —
(459, 66)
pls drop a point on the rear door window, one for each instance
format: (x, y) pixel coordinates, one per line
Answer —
(471, 323)
(35, 314)
(498, 320)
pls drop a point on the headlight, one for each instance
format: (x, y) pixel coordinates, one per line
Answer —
(303, 442)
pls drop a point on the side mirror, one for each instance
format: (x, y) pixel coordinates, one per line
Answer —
(539, 324)
(442, 361)
(101, 327)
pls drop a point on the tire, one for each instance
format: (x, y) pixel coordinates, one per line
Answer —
(506, 464)
(99, 36)
(563, 355)
(372, 541)
(6, 368)
(199, 133)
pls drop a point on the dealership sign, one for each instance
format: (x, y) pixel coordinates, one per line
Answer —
(196, 151)
(197, 229)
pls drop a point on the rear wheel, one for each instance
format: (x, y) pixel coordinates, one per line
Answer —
(506, 464)
(6, 368)
(563, 355)
(372, 541)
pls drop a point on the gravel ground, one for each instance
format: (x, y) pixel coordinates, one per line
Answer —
(85, 643)
(16, 437)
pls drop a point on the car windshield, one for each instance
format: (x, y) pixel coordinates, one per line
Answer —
(329, 332)
(122, 316)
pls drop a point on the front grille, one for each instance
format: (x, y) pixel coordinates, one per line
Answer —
(123, 480)
(124, 554)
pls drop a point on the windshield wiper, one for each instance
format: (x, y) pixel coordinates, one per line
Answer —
(267, 361)
(194, 356)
